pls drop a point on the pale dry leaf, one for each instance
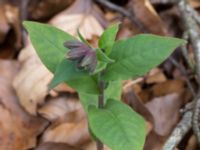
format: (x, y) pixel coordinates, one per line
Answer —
(56, 146)
(10, 18)
(4, 25)
(156, 75)
(15, 124)
(83, 16)
(31, 83)
(195, 3)
(165, 111)
(46, 8)
(73, 133)
(62, 107)
(167, 87)
(147, 15)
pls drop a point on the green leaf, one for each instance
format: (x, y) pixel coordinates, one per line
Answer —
(82, 38)
(113, 91)
(137, 55)
(48, 43)
(107, 39)
(77, 79)
(100, 66)
(101, 56)
(87, 100)
(117, 126)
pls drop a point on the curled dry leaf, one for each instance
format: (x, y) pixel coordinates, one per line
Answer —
(56, 146)
(156, 75)
(151, 21)
(10, 18)
(164, 109)
(46, 8)
(73, 133)
(31, 83)
(62, 108)
(15, 124)
(195, 3)
(69, 124)
(82, 15)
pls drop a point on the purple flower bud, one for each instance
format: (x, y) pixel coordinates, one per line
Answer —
(83, 54)
(89, 62)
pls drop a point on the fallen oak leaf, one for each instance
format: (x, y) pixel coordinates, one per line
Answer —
(31, 83)
(15, 123)
(73, 133)
(62, 108)
(82, 15)
(147, 15)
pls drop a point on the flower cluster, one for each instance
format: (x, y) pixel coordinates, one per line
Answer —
(82, 54)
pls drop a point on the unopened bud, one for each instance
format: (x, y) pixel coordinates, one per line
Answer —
(83, 54)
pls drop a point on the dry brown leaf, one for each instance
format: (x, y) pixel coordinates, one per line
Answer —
(10, 18)
(82, 15)
(4, 25)
(195, 3)
(161, 89)
(31, 83)
(170, 86)
(147, 15)
(15, 124)
(192, 143)
(56, 146)
(73, 133)
(47, 8)
(62, 108)
(155, 76)
(165, 111)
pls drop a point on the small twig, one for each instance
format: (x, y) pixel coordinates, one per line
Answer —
(190, 118)
(192, 28)
(130, 15)
(185, 52)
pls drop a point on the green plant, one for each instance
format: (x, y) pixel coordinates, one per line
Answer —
(97, 75)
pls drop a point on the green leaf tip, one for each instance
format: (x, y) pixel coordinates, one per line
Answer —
(137, 55)
(108, 37)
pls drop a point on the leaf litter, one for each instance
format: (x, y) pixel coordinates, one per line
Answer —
(55, 119)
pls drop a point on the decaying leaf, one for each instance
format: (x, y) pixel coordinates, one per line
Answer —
(156, 75)
(15, 124)
(195, 3)
(73, 133)
(82, 15)
(31, 83)
(151, 21)
(10, 18)
(44, 9)
(62, 109)
(165, 111)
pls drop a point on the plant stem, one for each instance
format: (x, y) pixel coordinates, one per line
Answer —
(100, 105)
(101, 94)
